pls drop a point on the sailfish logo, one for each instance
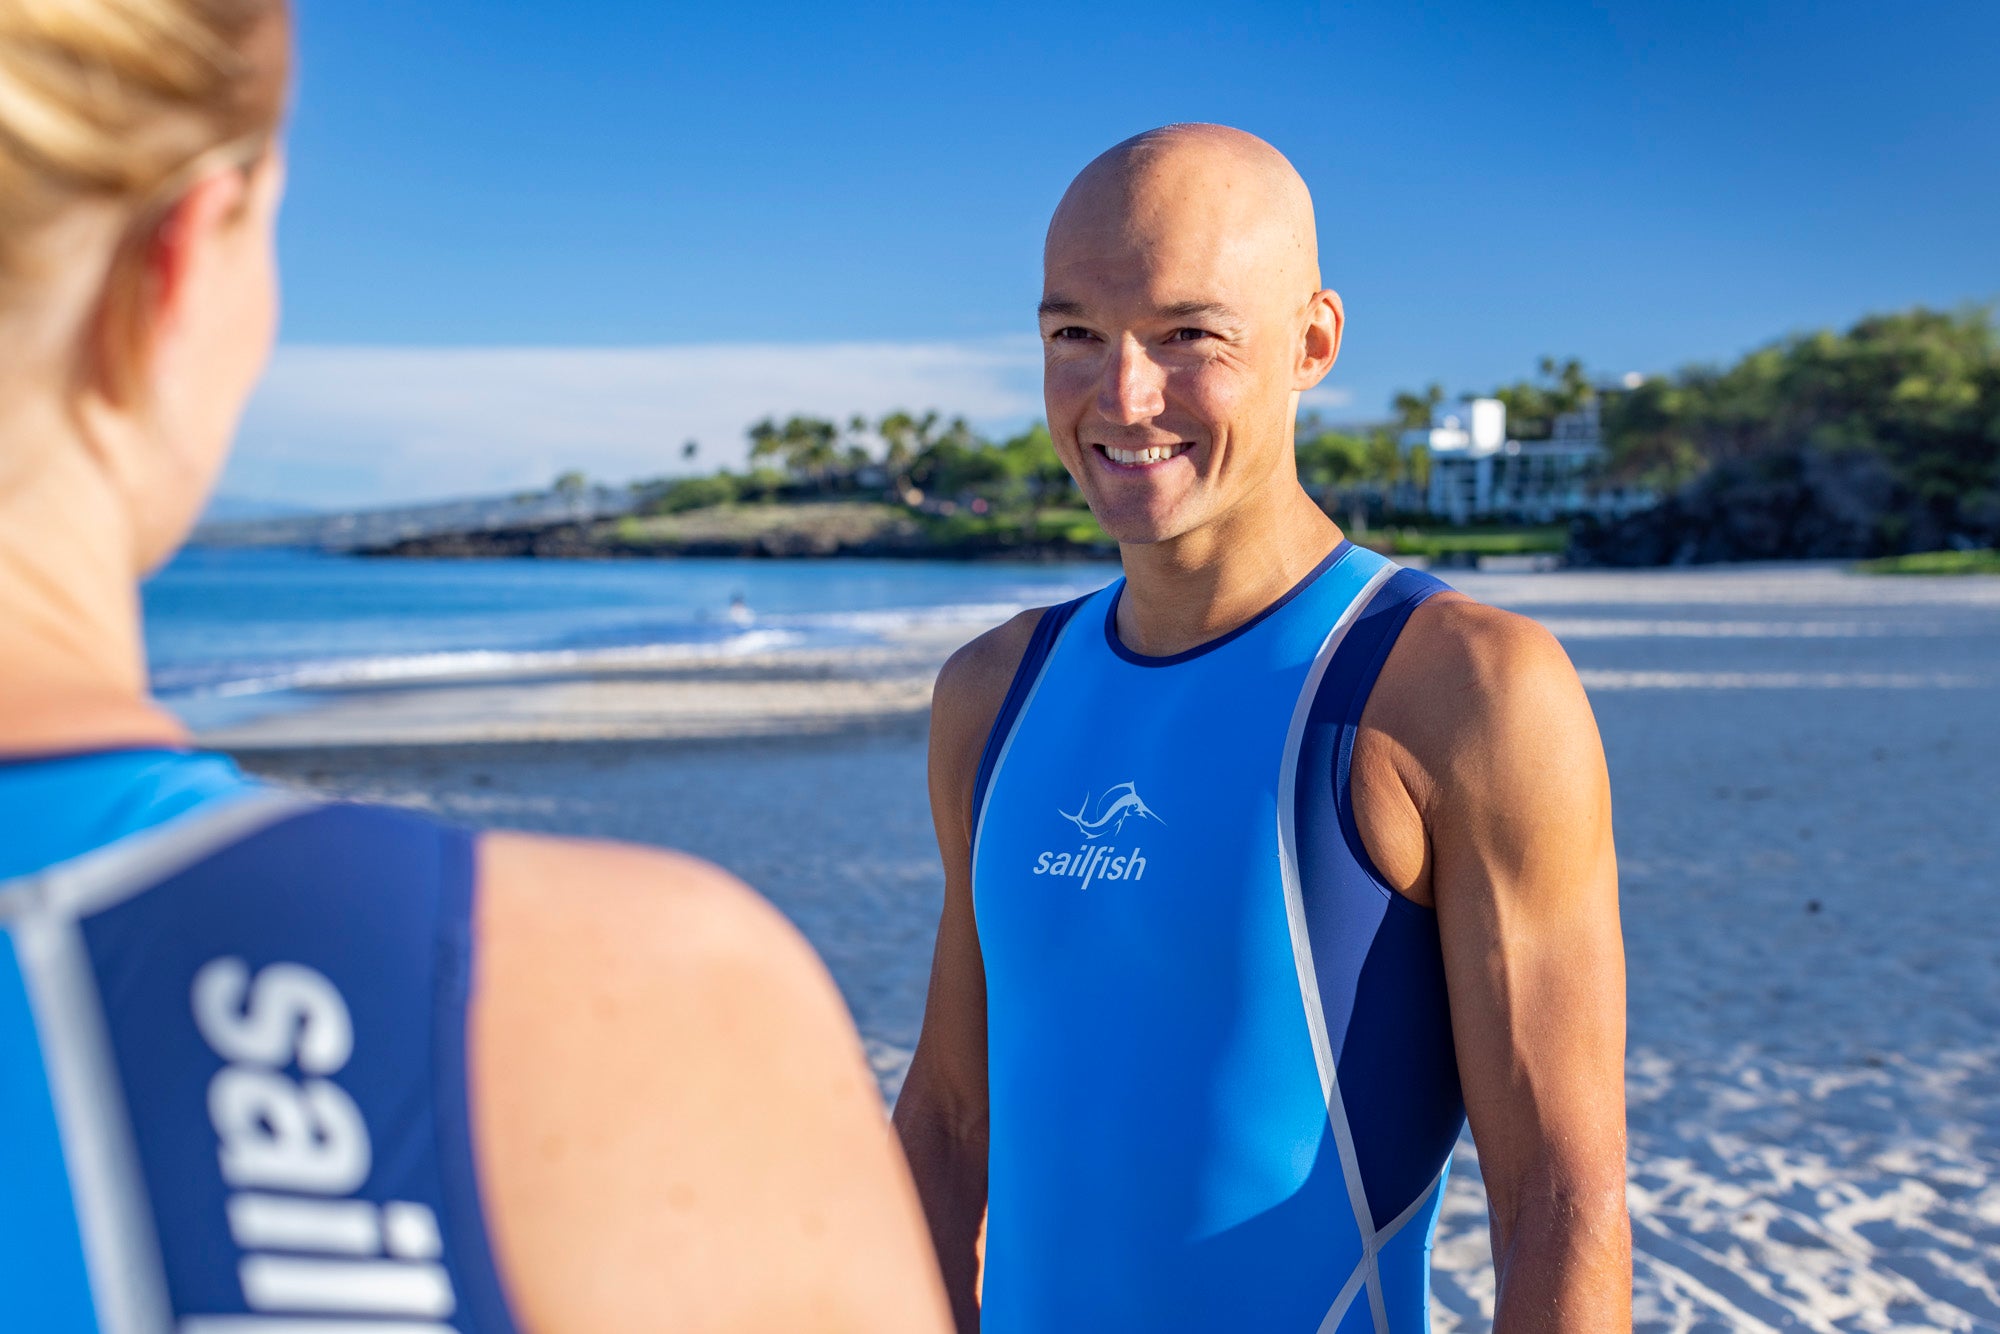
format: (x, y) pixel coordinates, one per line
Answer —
(1121, 803)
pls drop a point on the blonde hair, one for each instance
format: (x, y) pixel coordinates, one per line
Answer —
(123, 104)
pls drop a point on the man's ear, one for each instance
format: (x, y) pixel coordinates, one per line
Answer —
(147, 288)
(1326, 320)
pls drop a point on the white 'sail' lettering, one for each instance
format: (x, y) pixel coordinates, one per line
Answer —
(307, 1137)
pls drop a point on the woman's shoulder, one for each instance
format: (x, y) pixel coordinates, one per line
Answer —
(667, 1089)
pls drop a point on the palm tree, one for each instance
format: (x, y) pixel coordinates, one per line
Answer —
(905, 440)
(1413, 411)
(808, 447)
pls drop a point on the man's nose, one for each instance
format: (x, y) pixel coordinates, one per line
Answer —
(1133, 388)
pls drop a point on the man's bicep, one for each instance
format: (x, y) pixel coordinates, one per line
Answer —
(950, 1065)
(948, 1069)
(1526, 889)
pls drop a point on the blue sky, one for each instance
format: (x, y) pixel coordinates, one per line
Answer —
(525, 236)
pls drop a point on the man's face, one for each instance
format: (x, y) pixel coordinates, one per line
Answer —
(1172, 356)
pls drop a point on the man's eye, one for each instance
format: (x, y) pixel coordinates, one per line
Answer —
(1188, 335)
(1070, 333)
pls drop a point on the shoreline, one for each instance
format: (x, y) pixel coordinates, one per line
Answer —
(691, 691)
(715, 696)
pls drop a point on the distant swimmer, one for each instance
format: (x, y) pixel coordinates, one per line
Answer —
(271, 1065)
(739, 611)
(1264, 865)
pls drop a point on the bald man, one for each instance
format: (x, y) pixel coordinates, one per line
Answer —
(1265, 865)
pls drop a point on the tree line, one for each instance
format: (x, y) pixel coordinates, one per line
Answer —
(1883, 437)
(923, 460)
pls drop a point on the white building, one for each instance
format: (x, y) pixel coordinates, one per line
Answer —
(1476, 472)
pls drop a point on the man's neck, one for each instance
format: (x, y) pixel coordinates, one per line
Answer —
(1199, 586)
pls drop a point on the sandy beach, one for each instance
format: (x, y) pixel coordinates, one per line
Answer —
(1806, 766)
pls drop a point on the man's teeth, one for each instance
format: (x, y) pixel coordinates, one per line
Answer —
(1156, 454)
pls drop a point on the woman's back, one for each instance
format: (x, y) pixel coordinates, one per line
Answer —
(270, 1065)
(237, 1079)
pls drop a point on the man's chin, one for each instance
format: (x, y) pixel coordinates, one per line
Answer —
(1133, 525)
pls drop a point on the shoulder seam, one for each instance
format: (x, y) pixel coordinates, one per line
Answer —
(110, 874)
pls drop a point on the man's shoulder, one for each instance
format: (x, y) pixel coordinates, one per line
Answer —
(973, 684)
(981, 670)
(1460, 643)
(1466, 676)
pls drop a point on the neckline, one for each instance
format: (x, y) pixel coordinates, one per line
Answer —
(1331, 559)
(22, 759)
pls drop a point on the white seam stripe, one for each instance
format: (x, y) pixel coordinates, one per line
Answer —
(118, 870)
(1413, 1208)
(1338, 1310)
(1295, 913)
(114, 1216)
(121, 1254)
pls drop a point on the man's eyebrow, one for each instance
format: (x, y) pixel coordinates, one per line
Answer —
(1197, 310)
(1179, 310)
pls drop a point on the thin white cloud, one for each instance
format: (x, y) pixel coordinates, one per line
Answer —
(340, 427)
(349, 427)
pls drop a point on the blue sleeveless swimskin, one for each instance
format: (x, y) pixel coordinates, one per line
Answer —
(232, 1059)
(1223, 1089)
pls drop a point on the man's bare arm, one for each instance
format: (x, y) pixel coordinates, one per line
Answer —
(1517, 808)
(942, 1113)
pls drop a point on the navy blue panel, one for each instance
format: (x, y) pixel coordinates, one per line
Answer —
(1047, 630)
(1376, 954)
(482, 1299)
(376, 903)
(1399, 1068)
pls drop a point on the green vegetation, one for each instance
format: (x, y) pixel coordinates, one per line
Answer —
(1879, 440)
(1919, 391)
(959, 489)
(1071, 530)
(1339, 463)
(1472, 541)
(804, 528)
(1985, 561)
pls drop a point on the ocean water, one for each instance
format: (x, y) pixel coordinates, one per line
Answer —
(231, 632)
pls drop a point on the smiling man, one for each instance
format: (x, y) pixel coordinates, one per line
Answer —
(1265, 865)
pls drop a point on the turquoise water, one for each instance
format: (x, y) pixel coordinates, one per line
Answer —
(244, 623)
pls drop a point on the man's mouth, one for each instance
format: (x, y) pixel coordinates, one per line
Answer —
(1141, 458)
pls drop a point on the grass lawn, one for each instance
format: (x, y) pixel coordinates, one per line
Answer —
(1075, 526)
(1935, 562)
(1477, 541)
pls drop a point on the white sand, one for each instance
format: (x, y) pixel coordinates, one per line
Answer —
(1807, 773)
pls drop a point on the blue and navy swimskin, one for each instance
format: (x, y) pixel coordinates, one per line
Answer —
(1223, 1089)
(232, 1059)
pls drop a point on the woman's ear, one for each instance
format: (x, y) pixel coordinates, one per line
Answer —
(153, 282)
